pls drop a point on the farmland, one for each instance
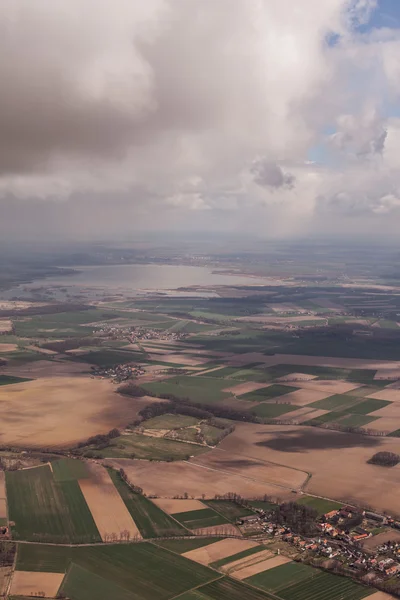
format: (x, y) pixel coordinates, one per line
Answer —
(313, 366)
(46, 510)
(60, 411)
(140, 570)
(135, 445)
(151, 521)
(197, 519)
(306, 583)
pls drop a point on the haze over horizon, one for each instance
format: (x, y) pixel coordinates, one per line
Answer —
(268, 117)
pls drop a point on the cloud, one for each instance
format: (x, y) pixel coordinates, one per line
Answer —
(145, 109)
(268, 174)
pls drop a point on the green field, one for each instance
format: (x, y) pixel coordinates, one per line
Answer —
(109, 357)
(186, 545)
(123, 571)
(276, 579)
(395, 433)
(356, 421)
(41, 557)
(270, 410)
(136, 445)
(196, 519)
(9, 379)
(268, 393)
(321, 505)
(338, 401)
(205, 390)
(368, 406)
(229, 510)
(239, 555)
(295, 581)
(226, 589)
(46, 510)
(325, 587)
(69, 469)
(169, 422)
(150, 519)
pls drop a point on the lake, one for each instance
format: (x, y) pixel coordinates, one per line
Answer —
(135, 279)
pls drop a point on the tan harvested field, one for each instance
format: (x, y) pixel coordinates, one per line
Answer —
(228, 547)
(5, 325)
(106, 505)
(180, 359)
(385, 424)
(3, 496)
(8, 347)
(60, 411)
(391, 411)
(393, 374)
(330, 386)
(387, 394)
(381, 596)
(336, 460)
(30, 583)
(257, 470)
(297, 377)
(303, 397)
(245, 388)
(226, 529)
(259, 567)
(176, 478)
(314, 414)
(47, 368)
(172, 506)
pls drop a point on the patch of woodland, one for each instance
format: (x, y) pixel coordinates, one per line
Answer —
(384, 459)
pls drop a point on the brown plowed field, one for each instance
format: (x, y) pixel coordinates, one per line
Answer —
(61, 411)
(337, 461)
(176, 478)
(260, 471)
(106, 505)
(228, 547)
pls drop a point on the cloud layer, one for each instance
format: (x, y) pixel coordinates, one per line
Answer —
(187, 113)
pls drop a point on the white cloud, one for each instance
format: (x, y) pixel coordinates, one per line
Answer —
(191, 106)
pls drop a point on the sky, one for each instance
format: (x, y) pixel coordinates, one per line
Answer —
(276, 118)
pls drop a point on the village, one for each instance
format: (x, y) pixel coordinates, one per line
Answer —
(333, 539)
(136, 334)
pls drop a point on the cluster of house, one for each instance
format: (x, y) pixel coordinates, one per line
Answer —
(136, 334)
(118, 373)
(334, 541)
